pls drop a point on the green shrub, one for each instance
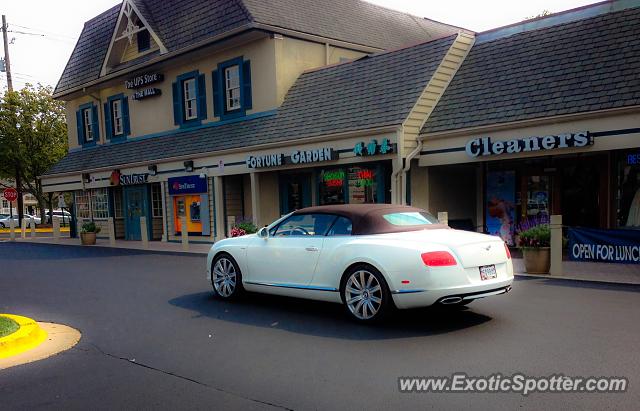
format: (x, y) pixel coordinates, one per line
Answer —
(90, 227)
(247, 226)
(535, 237)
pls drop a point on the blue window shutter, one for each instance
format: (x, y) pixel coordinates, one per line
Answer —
(217, 97)
(246, 85)
(80, 127)
(95, 124)
(177, 104)
(202, 97)
(107, 120)
(126, 127)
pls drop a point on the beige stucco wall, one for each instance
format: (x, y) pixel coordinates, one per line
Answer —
(155, 114)
(293, 56)
(269, 198)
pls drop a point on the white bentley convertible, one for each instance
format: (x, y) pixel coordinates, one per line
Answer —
(367, 257)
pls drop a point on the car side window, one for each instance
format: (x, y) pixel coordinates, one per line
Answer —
(304, 225)
(342, 226)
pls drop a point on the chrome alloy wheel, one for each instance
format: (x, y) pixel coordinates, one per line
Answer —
(363, 294)
(224, 277)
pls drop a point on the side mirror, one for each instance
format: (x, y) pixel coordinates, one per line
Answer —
(263, 233)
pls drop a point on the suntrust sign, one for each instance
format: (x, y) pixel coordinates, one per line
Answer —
(483, 146)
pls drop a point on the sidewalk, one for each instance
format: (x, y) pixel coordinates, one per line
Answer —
(573, 270)
(154, 246)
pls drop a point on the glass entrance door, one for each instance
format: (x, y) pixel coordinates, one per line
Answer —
(295, 192)
(135, 207)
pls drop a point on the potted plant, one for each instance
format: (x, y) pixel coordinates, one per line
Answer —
(88, 233)
(534, 243)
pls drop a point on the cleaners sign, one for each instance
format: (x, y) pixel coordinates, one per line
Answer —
(485, 146)
(609, 246)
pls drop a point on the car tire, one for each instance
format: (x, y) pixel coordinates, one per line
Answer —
(2, 225)
(368, 304)
(226, 278)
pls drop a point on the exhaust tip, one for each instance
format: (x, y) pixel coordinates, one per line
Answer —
(450, 300)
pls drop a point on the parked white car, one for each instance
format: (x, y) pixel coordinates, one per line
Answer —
(368, 257)
(63, 215)
(4, 220)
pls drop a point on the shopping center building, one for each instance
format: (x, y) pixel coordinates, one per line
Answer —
(252, 109)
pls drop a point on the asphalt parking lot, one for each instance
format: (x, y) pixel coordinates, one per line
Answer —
(153, 337)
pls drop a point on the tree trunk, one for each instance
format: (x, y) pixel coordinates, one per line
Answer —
(20, 199)
(51, 208)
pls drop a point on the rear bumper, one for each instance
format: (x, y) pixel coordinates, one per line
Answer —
(424, 298)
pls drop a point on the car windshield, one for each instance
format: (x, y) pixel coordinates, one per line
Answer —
(410, 219)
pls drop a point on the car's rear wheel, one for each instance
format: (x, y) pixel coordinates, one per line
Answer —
(365, 294)
(226, 277)
(1, 225)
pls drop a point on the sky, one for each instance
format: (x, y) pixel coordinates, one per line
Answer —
(43, 33)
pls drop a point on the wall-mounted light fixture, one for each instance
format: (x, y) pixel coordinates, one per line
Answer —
(188, 166)
(204, 172)
(153, 169)
(86, 177)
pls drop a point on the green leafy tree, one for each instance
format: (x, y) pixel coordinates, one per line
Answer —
(33, 137)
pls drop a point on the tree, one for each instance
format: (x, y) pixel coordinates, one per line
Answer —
(33, 137)
(544, 13)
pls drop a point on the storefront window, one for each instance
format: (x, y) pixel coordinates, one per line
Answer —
(538, 196)
(628, 197)
(117, 203)
(332, 186)
(156, 200)
(83, 210)
(100, 203)
(363, 185)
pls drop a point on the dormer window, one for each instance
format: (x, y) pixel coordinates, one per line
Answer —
(144, 41)
(87, 124)
(116, 112)
(232, 87)
(190, 99)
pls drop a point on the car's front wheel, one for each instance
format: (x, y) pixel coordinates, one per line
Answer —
(365, 294)
(226, 277)
(1, 225)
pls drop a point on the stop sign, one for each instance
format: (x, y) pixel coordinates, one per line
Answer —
(11, 194)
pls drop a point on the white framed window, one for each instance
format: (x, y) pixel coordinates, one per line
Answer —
(190, 103)
(156, 200)
(117, 203)
(232, 87)
(86, 123)
(116, 117)
(83, 208)
(100, 203)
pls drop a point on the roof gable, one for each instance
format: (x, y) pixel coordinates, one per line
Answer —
(131, 22)
(177, 25)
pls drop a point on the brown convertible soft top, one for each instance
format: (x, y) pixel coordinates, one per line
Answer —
(368, 218)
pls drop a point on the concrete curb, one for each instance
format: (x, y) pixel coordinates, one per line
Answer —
(28, 336)
(583, 280)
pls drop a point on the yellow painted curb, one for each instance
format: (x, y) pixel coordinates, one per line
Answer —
(28, 336)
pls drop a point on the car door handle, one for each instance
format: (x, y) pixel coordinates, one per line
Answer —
(311, 248)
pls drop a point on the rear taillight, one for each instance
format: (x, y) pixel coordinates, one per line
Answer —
(506, 247)
(438, 259)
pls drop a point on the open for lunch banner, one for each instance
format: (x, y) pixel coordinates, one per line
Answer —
(609, 246)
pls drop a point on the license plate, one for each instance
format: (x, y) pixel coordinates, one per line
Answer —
(487, 272)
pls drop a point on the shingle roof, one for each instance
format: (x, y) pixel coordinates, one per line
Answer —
(373, 92)
(180, 24)
(582, 66)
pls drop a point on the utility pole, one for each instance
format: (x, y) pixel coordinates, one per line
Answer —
(7, 64)
(6, 52)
